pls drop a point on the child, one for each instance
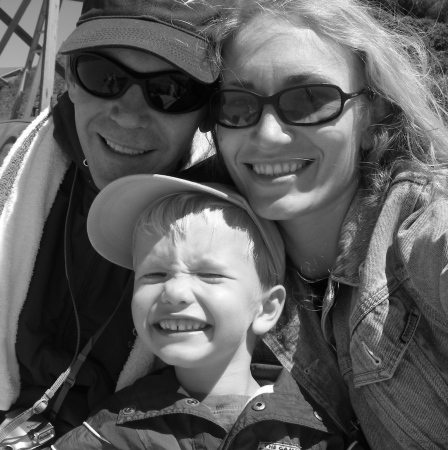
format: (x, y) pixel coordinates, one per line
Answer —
(208, 276)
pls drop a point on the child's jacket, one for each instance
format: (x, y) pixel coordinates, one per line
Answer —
(151, 414)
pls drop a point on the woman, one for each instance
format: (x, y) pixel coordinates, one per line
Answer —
(325, 122)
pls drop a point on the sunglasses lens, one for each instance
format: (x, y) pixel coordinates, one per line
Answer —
(174, 93)
(99, 76)
(168, 92)
(306, 105)
(234, 109)
(310, 105)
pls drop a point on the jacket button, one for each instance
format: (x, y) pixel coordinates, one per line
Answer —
(259, 406)
(129, 410)
(317, 416)
(192, 402)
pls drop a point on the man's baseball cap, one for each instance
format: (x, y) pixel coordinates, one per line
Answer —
(114, 213)
(168, 29)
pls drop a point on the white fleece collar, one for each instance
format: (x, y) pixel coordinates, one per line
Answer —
(29, 180)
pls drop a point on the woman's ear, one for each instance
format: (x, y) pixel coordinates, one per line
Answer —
(269, 310)
(377, 111)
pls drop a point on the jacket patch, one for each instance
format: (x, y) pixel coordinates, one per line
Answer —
(277, 446)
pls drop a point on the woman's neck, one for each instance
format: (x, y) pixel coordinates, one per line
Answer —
(312, 242)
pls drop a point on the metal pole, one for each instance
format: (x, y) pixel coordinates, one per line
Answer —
(13, 24)
(49, 53)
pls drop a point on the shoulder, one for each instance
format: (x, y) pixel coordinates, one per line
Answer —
(288, 395)
(151, 392)
(421, 237)
(98, 432)
(423, 206)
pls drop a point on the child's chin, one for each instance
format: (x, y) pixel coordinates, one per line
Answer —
(184, 360)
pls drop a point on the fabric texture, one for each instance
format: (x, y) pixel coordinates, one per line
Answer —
(165, 28)
(385, 314)
(154, 414)
(32, 171)
(30, 180)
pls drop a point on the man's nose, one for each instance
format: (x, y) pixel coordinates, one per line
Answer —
(131, 110)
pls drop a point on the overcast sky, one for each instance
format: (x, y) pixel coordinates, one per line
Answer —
(16, 51)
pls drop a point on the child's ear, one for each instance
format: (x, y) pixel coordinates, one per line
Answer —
(269, 310)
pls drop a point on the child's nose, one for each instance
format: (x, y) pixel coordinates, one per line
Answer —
(177, 290)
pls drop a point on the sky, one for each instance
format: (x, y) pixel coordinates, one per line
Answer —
(16, 51)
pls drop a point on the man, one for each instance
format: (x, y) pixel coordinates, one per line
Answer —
(137, 88)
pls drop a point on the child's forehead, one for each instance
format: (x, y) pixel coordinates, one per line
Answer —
(198, 244)
(210, 222)
(205, 229)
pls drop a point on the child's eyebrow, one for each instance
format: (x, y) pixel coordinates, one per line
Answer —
(211, 261)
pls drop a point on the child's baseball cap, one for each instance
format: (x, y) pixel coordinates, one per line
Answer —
(114, 213)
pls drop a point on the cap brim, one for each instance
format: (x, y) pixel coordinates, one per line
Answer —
(116, 209)
(185, 51)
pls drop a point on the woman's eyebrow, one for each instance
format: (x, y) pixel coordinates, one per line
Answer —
(240, 83)
(304, 78)
(290, 80)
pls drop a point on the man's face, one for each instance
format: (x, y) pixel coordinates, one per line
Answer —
(125, 136)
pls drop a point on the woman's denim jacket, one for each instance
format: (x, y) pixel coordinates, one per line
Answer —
(385, 315)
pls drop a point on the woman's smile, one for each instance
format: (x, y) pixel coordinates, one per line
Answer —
(279, 166)
(279, 169)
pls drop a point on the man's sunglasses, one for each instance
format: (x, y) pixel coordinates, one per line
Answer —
(168, 92)
(305, 105)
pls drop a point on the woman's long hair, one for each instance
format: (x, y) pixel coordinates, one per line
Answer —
(408, 120)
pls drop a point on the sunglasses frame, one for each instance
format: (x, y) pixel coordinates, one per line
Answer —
(274, 100)
(135, 78)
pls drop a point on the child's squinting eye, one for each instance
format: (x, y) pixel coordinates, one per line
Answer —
(211, 276)
(154, 275)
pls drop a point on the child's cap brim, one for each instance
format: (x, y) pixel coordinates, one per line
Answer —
(116, 209)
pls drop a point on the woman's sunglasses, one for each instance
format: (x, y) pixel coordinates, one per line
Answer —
(305, 105)
(168, 92)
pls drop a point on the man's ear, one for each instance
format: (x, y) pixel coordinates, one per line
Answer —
(207, 121)
(69, 79)
(269, 310)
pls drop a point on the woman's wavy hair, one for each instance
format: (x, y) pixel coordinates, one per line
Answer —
(408, 119)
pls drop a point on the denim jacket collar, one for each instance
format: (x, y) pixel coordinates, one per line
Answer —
(359, 224)
(353, 242)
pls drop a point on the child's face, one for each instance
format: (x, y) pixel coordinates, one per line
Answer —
(194, 300)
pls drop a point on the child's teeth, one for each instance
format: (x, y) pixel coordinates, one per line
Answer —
(181, 324)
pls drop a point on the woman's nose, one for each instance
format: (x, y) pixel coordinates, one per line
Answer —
(131, 109)
(270, 129)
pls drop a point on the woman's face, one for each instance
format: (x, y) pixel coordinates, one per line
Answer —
(286, 171)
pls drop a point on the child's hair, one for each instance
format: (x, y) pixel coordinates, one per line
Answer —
(171, 215)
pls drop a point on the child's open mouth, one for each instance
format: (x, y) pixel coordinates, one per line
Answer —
(181, 325)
